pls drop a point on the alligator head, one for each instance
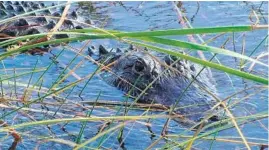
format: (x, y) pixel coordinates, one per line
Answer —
(164, 80)
(134, 71)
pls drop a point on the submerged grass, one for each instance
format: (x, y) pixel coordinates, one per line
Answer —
(119, 122)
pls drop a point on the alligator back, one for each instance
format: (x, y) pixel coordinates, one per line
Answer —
(37, 22)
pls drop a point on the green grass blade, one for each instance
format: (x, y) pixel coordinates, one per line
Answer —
(148, 33)
(174, 31)
(194, 46)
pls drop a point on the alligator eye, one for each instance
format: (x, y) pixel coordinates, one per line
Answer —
(139, 66)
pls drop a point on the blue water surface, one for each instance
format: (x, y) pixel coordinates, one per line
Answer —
(141, 16)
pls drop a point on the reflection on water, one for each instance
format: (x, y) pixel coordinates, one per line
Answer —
(139, 16)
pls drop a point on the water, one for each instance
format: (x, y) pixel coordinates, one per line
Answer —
(141, 16)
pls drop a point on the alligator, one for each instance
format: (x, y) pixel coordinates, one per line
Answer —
(165, 80)
(41, 21)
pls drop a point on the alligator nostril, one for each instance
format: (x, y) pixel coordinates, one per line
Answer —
(139, 66)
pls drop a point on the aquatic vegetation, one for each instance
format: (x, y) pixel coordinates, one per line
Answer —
(58, 98)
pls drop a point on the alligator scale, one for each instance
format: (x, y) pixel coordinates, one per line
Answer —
(37, 22)
(164, 80)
